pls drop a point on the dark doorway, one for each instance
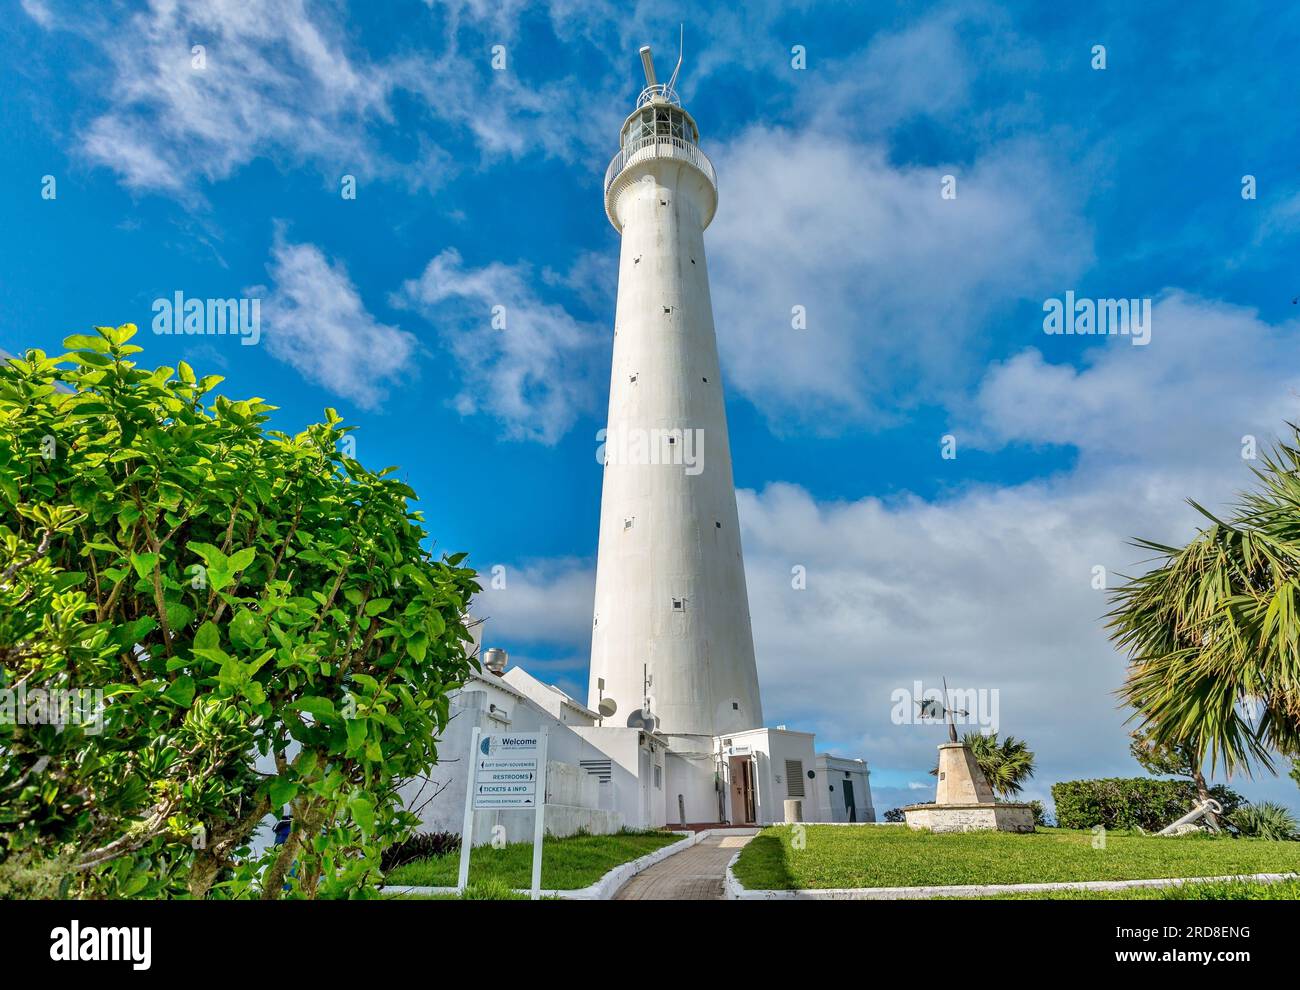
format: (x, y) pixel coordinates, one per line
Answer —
(849, 804)
(742, 791)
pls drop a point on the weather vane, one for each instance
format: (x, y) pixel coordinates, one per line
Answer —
(933, 708)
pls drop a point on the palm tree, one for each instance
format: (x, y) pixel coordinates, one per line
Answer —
(1213, 631)
(1006, 766)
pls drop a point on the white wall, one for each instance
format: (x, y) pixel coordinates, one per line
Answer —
(575, 798)
(549, 698)
(695, 778)
(770, 749)
(634, 754)
(832, 772)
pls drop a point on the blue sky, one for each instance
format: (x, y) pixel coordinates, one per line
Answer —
(479, 187)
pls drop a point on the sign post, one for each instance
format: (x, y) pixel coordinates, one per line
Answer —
(506, 770)
(467, 827)
(539, 819)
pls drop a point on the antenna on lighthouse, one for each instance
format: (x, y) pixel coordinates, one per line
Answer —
(648, 64)
(681, 48)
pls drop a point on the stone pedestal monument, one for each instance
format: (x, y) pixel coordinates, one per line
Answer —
(963, 800)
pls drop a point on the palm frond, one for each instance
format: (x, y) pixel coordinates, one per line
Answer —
(1215, 625)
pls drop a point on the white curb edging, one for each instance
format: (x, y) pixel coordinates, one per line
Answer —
(612, 882)
(734, 890)
(602, 890)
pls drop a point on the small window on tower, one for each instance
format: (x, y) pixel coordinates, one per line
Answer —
(735, 706)
(628, 522)
(679, 604)
(632, 379)
(716, 524)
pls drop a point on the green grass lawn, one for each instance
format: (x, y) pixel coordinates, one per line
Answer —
(1215, 890)
(489, 891)
(871, 856)
(567, 864)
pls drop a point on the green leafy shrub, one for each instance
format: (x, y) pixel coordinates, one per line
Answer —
(1041, 818)
(1265, 820)
(894, 815)
(422, 845)
(256, 612)
(25, 877)
(1130, 803)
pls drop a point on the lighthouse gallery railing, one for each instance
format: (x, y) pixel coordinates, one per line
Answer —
(660, 146)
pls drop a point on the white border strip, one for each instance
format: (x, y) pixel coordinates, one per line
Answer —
(734, 890)
(603, 889)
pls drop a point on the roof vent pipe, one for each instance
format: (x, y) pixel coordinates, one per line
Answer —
(495, 660)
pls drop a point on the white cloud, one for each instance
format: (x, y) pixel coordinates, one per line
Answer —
(842, 214)
(993, 588)
(287, 81)
(274, 81)
(593, 278)
(1212, 374)
(926, 68)
(39, 11)
(541, 602)
(315, 320)
(1280, 220)
(538, 373)
(922, 68)
(896, 281)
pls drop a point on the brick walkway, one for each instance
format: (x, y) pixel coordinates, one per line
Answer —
(693, 875)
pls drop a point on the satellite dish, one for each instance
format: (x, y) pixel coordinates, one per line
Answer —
(608, 706)
(641, 719)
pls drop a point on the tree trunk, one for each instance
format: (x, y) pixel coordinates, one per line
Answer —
(273, 879)
(203, 873)
(307, 821)
(1203, 795)
(209, 862)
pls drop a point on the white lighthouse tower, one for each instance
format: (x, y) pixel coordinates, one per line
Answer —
(671, 640)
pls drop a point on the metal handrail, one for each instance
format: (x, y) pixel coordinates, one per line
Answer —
(649, 147)
(659, 92)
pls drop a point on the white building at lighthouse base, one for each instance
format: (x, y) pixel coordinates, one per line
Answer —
(603, 777)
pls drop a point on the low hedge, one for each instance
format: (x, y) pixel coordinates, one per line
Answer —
(1148, 803)
(420, 845)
